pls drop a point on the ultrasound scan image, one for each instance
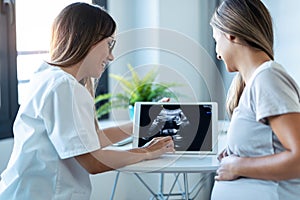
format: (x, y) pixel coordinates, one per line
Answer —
(188, 125)
(169, 122)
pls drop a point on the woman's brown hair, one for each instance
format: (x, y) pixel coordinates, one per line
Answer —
(250, 21)
(76, 29)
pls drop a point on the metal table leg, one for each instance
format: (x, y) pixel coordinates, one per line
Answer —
(186, 186)
(115, 186)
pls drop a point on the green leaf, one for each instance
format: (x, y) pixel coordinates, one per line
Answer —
(103, 109)
(134, 75)
(136, 88)
(150, 76)
(125, 84)
(102, 97)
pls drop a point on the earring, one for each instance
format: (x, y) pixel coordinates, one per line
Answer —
(219, 57)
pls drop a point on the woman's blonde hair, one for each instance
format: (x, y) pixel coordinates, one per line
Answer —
(76, 29)
(250, 21)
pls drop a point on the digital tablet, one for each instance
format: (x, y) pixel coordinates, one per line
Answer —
(193, 126)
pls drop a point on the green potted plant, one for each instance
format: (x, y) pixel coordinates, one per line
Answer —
(135, 88)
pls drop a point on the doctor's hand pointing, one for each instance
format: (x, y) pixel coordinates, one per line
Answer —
(158, 146)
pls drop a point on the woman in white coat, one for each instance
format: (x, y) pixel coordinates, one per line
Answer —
(57, 141)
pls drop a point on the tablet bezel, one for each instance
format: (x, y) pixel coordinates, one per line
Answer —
(214, 124)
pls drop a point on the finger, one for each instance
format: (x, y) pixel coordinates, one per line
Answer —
(217, 178)
(165, 99)
(162, 140)
(170, 148)
(169, 144)
(165, 138)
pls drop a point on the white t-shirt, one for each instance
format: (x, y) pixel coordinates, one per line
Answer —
(270, 91)
(53, 125)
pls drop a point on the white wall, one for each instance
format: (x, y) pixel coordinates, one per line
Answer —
(191, 50)
(167, 34)
(286, 18)
(130, 47)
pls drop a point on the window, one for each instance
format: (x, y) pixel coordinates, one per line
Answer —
(33, 36)
(8, 74)
(24, 42)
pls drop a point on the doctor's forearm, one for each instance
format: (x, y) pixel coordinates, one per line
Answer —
(115, 134)
(116, 159)
(106, 160)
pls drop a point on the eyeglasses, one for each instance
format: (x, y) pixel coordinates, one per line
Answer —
(111, 45)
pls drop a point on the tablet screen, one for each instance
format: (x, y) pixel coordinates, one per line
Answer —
(191, 125)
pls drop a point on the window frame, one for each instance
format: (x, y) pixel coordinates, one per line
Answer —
(102, 85)
(8, 66)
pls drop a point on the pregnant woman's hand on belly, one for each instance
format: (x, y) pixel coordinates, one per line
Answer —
(226, 170)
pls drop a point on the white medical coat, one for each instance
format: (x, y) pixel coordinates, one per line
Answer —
(53, 125)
